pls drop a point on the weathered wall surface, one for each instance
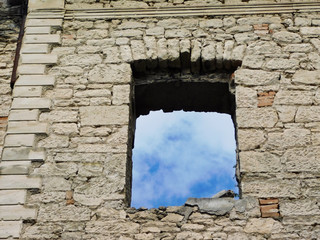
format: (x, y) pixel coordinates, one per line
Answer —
(72, 126)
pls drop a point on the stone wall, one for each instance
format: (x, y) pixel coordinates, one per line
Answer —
(72, 124)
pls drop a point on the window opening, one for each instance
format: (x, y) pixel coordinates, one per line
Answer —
(191, 102)
(180, 155)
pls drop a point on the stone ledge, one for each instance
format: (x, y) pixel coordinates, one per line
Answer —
(15, 167)
(217, 10)
(45, 4)
(22, 153)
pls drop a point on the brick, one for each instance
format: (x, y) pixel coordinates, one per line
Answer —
(270, 215)
(266, 98)
(35, 80)
(261, 27)
(269, 208)
(10, 229)
(45, 38)
(31, 103)
(37, 30)
(24, 115)
(34, 48)
(31, 69)
(22, 153)
(39, 58)
(15, 167)
(18, 140)
(268, 201)
(19, 182)
(27, 91)
(17, 212)
(12, 197)
(43, 22)
(22, 127)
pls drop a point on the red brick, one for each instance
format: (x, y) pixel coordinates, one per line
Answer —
(269, 208)
(266, 98)
(271, 215)
(268, 201)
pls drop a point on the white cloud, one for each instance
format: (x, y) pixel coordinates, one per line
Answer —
(175, 151)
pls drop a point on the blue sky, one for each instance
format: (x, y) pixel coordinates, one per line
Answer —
(182, 154)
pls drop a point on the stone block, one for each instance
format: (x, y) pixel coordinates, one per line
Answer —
(287, 37)
(15, 167)
(282, 64)
(249, 139)
(42, 38)
(34, 48)
(110, 73)
(43, 22)
(259, 162)
(58, 213)
(121, 94)
(301, 207)
(306, 77)
(31, 69)
(24, 127)
(22, 153)
(314, 31)
(19, 182)
(256, 77)
(262, 226)
(302, 159)
(45, 4)
(12, 197)
(256, 117)
(27, 91)
(104, 115)
(10, 229)
(35, 80)
(18, 140)
(83, 60)
(292, 97)
(37, 30)
(24, 115)
(39, 58)
(59, 116)
(17, 212)
(31, 103)
(308, 114)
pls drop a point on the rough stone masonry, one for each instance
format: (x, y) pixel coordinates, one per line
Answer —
(65, 170)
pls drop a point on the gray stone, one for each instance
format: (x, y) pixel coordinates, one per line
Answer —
(39, 58)
(308, 114)
(22, 153)
(15, 167)
(31, 103)
(259, 162)
(28, 91)
(35, 48)
(121, 94)
(43, 22)
(19, 182)
(37, 30)
(17, 212)
(59, 116)
(32, 69)
(24, 115)
(104, 115)
(45, 38)
(18, 140)
(24, 127)
(216, 206)
(35, 80)
(10, 229)
(12, 197)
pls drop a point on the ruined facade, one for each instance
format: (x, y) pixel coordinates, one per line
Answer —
(88, 68)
